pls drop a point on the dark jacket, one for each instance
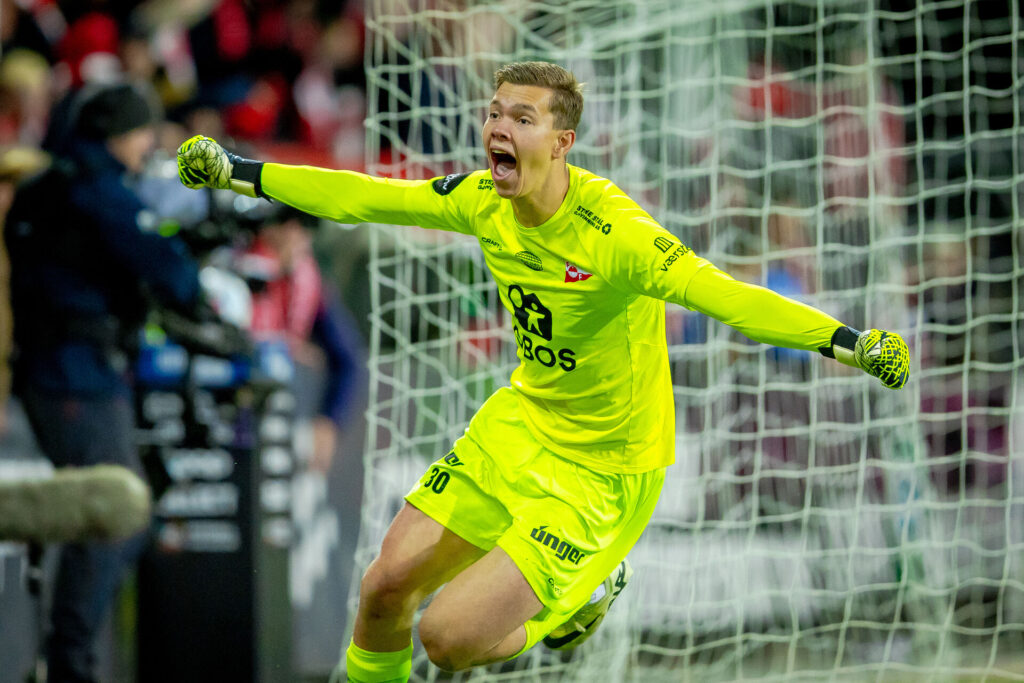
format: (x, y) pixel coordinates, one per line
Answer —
(86, 257)
(335, 332)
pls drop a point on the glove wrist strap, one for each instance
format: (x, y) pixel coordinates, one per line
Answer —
(245, 176)
(844, 341)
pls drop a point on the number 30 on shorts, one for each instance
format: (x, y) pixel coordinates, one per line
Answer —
(437, 480)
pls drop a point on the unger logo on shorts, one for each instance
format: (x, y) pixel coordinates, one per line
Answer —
(563, 549)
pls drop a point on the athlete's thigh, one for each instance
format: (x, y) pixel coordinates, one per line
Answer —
(482, 604)
(419, 554)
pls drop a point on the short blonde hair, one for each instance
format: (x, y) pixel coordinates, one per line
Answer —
(566, 93)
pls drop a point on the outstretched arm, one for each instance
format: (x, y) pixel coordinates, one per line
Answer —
(647, 259)
(341, 196)
(770, 318)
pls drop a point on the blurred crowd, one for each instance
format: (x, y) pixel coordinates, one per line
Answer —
(102, 244)
(278, 79)
(265, 72)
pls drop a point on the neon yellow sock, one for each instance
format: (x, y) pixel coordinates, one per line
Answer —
(378, 667)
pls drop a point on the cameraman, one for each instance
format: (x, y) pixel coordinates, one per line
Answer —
(85, 253)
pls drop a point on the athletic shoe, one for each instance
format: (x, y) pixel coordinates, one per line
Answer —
(582, 625)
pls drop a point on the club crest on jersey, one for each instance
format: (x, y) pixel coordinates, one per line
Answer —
(574, 273)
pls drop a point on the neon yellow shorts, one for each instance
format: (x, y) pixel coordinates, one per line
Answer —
(565, 526)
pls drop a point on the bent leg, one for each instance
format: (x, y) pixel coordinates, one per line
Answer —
(478, 617)
(417, 556)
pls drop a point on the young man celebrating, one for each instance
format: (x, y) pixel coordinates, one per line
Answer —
(537, 505)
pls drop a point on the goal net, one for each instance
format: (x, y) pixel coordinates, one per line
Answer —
(862, 156)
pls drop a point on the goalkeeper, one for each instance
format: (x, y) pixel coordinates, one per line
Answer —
(528, 520)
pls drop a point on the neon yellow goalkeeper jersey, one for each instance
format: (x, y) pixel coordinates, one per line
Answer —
(585, 292)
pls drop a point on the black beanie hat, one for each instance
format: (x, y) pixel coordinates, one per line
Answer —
(114, 109)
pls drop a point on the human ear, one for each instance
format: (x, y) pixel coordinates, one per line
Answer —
(563, 143)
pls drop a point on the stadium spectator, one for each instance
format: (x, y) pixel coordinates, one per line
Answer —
(21, 29)
(292, 304)
(88, 51)
(273, 72)
(861, 135)
(16, 165)
(83, 250)
(26, 95)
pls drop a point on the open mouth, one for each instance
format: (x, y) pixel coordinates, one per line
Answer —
(502, 164)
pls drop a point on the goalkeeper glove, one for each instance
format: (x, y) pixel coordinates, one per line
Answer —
(204, 163)
(881, 354)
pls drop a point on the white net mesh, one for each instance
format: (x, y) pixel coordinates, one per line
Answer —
(864, 157)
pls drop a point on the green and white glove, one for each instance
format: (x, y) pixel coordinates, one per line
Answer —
(879, 353)
(202, 162)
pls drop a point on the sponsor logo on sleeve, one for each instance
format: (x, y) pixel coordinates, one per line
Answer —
(445, 185)
(574, 273)
(485, 184)
(665, 243)
(680, 252)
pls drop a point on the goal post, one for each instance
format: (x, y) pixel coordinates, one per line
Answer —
(862, 156)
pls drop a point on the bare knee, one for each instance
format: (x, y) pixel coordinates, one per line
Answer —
(446, 647)
(386, 594)
(452, 648)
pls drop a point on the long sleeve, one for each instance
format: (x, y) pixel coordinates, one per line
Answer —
(759, 313)
(445, 203)
(630, 250)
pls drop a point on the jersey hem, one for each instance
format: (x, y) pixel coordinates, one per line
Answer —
(581, 457)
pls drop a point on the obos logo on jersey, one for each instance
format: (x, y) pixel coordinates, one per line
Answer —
(534, 318)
